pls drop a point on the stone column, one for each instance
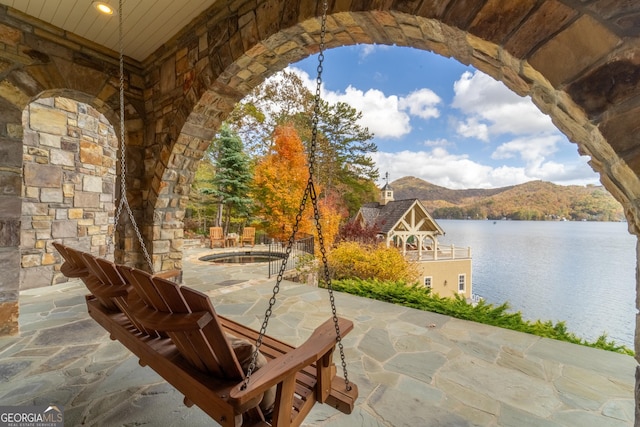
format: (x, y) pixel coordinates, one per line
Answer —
(10, 211)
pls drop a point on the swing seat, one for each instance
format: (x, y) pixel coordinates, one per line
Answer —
(176, 332)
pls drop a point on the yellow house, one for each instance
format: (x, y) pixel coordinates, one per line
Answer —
(406, 224)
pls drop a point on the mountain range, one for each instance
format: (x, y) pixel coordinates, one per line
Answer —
(534, 200)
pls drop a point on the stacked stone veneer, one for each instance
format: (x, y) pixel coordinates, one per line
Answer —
(69, 164)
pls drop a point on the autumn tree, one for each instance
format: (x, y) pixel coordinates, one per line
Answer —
(279, 183)
(343, 147)
(357, 231)
(281, 178)
(281, 100)
(331, 215)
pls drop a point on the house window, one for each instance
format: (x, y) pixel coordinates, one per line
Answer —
(427, 282)
(461, 283)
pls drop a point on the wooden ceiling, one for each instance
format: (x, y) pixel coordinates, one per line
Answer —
(147, 24)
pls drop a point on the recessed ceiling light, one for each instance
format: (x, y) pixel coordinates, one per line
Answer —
(103, 8)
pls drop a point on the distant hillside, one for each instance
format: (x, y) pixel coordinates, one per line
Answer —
(535, 200)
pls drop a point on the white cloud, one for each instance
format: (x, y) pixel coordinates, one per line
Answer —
(421, 103)
(388, 116)
(440, 167)
(385, 116)
(532, 150)
(437, 166)
(380, 78)
(490, 111)
(380, 113)
(366, 50)
(471, 128)
(483, 99)
(442, 142)
(573, 173)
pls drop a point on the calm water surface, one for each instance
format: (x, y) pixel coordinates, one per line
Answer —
(579, 272)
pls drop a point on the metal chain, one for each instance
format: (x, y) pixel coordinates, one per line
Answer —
(314, 199)
(123, 177)
(309, 192)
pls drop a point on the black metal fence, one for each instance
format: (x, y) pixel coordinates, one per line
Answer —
(302, 247)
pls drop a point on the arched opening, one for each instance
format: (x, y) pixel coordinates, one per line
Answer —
(211, 106)
(567, 117)
(444, 166)
(69, 172)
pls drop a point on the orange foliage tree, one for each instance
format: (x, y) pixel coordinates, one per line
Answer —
(280, 179)
(331, 215)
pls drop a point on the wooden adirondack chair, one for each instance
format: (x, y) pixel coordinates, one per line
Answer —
(176, 332)
(206, 369)
(216, 236)
(248, 236)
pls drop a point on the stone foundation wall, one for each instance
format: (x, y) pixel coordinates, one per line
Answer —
(69, 170)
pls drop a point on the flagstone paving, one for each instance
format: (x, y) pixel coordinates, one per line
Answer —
(412, 368)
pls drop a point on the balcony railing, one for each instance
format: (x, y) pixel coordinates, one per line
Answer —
(440, 254)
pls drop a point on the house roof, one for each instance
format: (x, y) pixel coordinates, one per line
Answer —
(387, 217)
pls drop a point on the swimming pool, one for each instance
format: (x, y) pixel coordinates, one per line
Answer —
(240, 257)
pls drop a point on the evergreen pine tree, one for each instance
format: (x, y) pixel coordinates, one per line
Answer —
(233, 177)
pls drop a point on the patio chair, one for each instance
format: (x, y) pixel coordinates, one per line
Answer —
(249, 236)
(216, 236)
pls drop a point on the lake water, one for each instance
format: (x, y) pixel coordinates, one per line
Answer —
(579, 272)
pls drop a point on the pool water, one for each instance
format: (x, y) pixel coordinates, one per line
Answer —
(242, 257)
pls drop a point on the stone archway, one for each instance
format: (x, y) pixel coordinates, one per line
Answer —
(592, 97)
(210, 103)
(43, 69)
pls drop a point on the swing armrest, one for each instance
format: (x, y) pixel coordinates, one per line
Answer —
(318, 346)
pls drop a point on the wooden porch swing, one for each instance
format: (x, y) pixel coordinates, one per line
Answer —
(212, 360)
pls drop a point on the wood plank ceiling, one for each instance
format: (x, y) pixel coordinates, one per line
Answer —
(147, 24)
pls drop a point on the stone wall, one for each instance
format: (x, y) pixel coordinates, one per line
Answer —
(69, 169)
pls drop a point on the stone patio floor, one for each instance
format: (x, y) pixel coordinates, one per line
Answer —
(412, 368)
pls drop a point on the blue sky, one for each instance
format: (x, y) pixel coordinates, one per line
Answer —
(439, 120)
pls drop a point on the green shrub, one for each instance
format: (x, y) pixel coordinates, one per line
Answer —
(419, 297)
(350, 259)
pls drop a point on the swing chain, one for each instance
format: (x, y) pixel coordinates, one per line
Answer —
(314, 199)
(123, 177)
(309, 192)
(276, 289)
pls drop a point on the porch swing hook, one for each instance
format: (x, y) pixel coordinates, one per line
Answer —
(124, 203)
